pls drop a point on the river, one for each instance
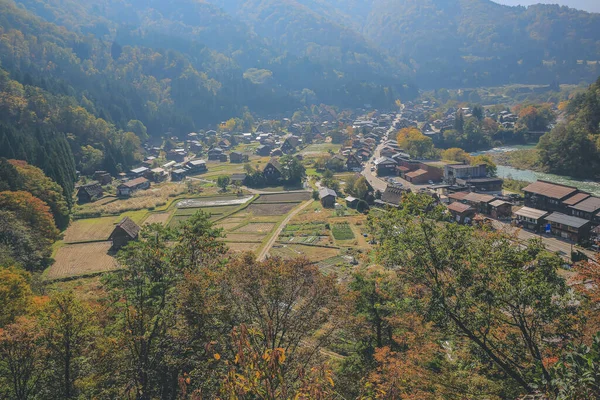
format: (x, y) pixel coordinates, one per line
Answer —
(532, 176)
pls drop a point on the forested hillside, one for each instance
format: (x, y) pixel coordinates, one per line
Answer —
(573, 147)
(479, 42)
(96, 78)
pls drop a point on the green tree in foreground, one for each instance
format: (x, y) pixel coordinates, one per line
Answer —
(506, 299)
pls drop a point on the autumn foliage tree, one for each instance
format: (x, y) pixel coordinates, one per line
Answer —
(39, 185)
(33, 211)
(289, 303)
(415, 143)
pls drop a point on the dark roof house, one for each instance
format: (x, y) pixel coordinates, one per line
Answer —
(89, 192)
(124, 232)
(327, 197)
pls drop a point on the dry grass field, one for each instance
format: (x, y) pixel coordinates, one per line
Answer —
(81, 259)
(227, 226)
(85, 230)
(257, 227)
(238, 247)
(156, 196)
(313, 253)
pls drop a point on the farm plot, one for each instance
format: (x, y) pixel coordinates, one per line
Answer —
(258, 227)
(296, 197)
(213, 202)
(157, 218)
(92, 229)
(342, 231)
(81, 259)
(309, 229)
(156, 196)
(228, 225)
(245, 237)
(270, 209)
(313, 253)
(322, 240)
(238, 247)
(208, 210)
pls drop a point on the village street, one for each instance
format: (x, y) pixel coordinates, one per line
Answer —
(376, 182)
(552, 243)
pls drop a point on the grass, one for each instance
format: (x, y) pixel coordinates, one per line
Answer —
(342, 232)
(158, 218)
(238, 247)
(313, 253)
(321, 148)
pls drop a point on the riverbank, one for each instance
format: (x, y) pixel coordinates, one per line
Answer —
(525, 159)
(522, 166)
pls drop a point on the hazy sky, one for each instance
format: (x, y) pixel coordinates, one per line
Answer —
(587, 5)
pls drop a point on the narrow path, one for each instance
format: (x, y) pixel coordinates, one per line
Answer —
(271, 242)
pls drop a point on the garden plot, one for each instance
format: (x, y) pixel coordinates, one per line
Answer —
(270, 209)
(295, 197)
(208, 210)
(227, 225)
(213, 202)
(88, 230)
(342, 231)
(245, 237)
(322, 240)
(81, 259)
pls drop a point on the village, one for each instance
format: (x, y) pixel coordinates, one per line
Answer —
(306, 188)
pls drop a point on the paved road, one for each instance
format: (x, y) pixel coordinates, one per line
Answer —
(376, 182)
(273, 239)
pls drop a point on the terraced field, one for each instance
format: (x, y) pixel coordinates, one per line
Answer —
(87, 230)
(81, 259)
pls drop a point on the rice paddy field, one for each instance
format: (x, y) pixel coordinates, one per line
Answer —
(81, 259)
(92, 229)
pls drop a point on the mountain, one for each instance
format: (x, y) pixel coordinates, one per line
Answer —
(479, 42)
(585, 5)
